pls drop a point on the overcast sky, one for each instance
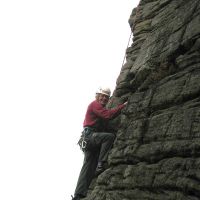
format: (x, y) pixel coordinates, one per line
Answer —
(53, 57)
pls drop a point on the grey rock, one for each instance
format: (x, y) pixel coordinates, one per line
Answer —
(156, 154)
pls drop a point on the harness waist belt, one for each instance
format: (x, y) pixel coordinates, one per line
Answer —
(88, 129)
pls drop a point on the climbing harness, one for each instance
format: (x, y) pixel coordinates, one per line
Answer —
(85, 138)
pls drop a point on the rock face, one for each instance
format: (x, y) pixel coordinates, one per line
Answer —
(156, 154)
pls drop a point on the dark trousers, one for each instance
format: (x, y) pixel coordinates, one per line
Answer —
(100, 143)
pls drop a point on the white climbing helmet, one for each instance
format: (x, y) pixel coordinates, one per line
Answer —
(105, 91)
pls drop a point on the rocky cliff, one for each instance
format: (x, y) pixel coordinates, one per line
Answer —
(156, 155)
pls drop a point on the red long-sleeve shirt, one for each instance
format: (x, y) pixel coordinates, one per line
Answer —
(96, 113)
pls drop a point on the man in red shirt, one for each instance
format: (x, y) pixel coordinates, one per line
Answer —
(100, 141)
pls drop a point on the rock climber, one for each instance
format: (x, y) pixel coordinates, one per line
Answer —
(98, 143)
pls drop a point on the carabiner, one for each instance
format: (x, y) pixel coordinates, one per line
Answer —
(83, 144)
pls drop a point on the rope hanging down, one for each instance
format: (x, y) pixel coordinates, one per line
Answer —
(126, 48)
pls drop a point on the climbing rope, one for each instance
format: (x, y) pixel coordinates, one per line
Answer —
(127, 48)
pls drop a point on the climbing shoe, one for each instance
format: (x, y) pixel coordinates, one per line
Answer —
(100, 168)
(77, 197)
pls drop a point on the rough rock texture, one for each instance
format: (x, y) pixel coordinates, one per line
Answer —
(156, 155)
